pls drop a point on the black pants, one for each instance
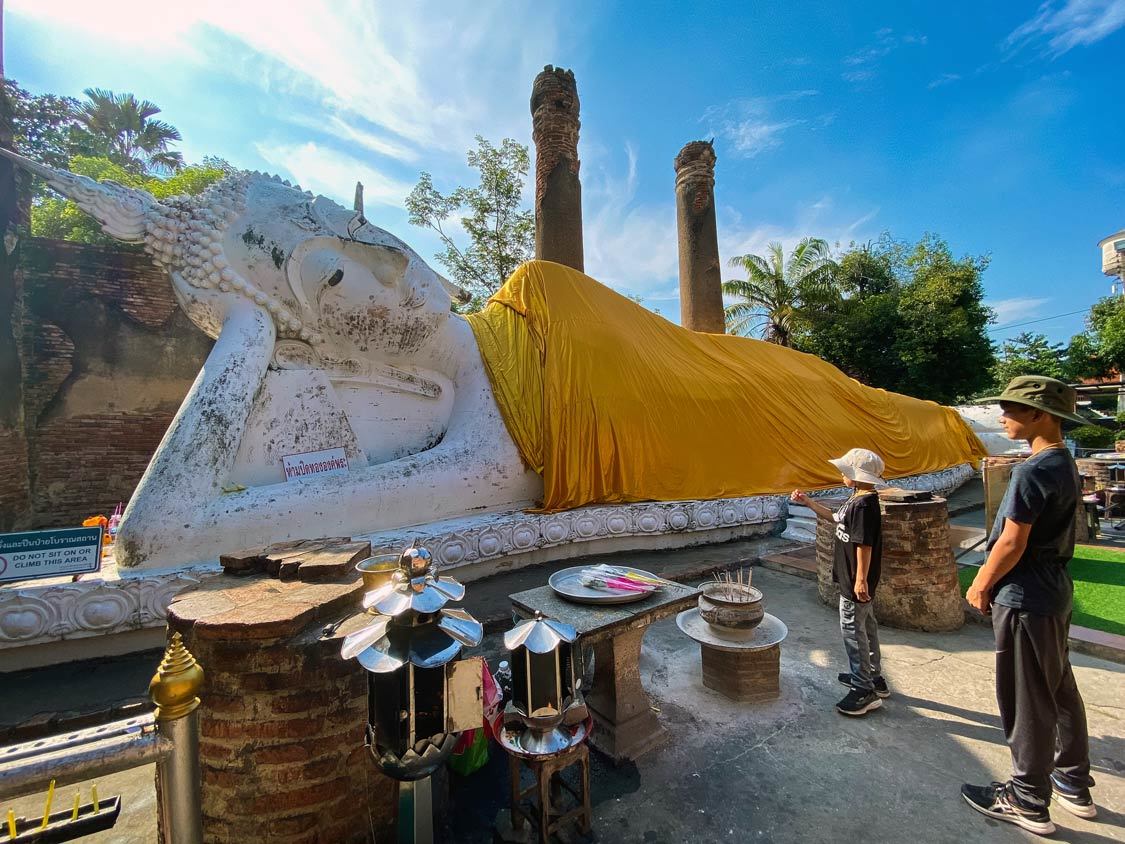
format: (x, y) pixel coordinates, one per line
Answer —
(1040, 708)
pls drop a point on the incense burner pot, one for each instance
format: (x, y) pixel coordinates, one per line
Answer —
(732, 606)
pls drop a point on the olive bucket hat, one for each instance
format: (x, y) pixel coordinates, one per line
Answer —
(1047, 394)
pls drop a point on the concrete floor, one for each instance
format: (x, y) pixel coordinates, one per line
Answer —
(796, 771)
(793, 770)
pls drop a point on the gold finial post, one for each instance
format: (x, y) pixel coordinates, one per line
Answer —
(175, 685)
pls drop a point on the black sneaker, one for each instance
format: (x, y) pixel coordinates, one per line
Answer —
(880, 684)
(995, 801)
(858, 702)
(1077, 801)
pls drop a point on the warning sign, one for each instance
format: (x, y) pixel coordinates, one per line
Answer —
(50, 553)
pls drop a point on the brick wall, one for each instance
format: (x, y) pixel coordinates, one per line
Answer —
(106, 356)
(918, 588)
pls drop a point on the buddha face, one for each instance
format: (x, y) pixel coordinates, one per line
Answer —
(348, 288)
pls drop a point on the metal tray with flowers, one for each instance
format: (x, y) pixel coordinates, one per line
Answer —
(567, 583)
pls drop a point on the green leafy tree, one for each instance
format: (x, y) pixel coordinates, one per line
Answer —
(1100, 350)
(42, 124)
(911, 319)
(61, 219)
(777, 294)
(121, 128)
(501, 234)
(943, 340)
(1029, 354)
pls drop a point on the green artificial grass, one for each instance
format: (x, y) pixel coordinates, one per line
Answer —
(1099, 587)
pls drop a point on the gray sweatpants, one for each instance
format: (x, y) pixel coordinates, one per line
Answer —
(1041, 710)
(861, 641)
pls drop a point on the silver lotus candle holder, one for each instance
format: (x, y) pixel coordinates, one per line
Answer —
(420, 695)
(547, 713)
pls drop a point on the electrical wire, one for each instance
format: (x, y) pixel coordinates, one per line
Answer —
(1033, 321)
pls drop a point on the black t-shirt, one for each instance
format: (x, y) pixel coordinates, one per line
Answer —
(1043, 493)
(858, 522)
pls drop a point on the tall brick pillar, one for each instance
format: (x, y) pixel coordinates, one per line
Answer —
(701, 295)
(558, 190)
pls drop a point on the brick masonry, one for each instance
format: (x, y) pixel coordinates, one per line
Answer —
(558, 190)
(282, 715)
(750, 676)
(105, 358)
(918, 588)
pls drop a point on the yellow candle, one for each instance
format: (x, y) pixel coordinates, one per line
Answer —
(74, 814)
(94, 795)
(11, 824)
(47, 809)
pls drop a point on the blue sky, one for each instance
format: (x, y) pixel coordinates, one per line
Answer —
(992, 124)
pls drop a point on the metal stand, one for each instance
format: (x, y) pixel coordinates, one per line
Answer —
(180, 799)
(415, 812)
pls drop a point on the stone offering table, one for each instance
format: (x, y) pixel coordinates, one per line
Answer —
(624, 723)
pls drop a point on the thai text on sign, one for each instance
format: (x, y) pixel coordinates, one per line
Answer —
(50, 553)
(329, 461)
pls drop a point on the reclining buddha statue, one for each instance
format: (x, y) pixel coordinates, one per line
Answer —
(332, 333)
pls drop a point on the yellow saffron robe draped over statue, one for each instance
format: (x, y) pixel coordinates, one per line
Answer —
(612, 403)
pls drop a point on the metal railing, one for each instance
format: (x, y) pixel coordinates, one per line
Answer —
(169, 737)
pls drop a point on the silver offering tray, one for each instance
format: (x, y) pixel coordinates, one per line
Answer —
(566, 585)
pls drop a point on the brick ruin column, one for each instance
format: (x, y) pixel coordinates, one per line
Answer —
(282, 716)
(701, 296)
(918, 588)
(558, 190)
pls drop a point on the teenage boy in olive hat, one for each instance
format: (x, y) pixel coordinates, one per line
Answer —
(1027, 588)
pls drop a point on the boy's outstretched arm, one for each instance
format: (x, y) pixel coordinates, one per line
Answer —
(799, 497)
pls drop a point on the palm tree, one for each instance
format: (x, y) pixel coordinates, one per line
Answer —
(775, 291)
(120, 127)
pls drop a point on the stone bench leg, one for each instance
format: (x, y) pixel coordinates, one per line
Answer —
(624, 723)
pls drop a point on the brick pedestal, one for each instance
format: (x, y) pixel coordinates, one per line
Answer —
(282, 715)
(918, 588)
(750, 676)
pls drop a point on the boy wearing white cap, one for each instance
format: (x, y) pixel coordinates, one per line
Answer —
(857, 561)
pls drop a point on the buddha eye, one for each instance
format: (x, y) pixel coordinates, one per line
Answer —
(336, 277)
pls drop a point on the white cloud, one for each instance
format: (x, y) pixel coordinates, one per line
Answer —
(751, 125)
(865, 61)
(1017, 309)
(1076, 23)
(334, 174)
(751, 137)
(391, 79)
(944, 79)
(629, 246)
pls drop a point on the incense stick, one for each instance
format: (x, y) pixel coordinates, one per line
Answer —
(735, 586)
